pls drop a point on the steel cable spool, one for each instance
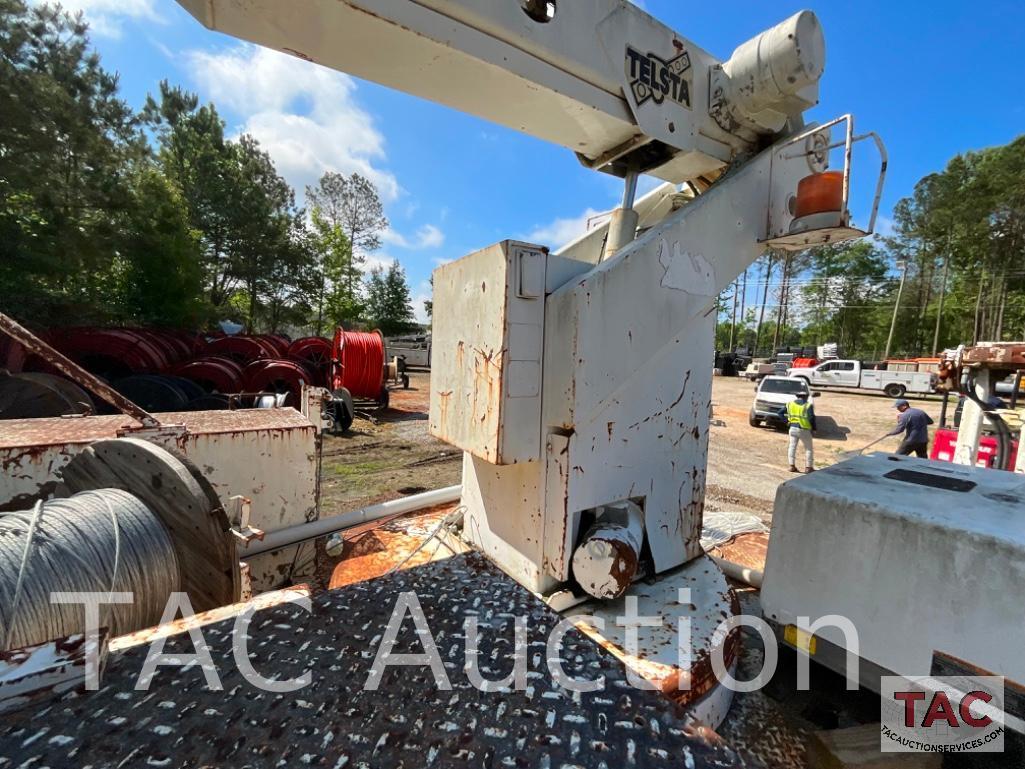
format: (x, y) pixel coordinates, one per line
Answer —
(359, 361)
(33, 395)
(153, 393)
(241, 349)
(98, 541)
(278, 376)
(315, 351)
(82, 400)
(212, 373)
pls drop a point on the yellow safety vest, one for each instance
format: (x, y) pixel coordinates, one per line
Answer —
(797, 414)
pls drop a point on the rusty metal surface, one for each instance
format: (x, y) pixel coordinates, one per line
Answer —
(266, 455)
(375, 548)
(38, 673)
(1009, 354)
(32, 433)
(746, 549)
(334, 722)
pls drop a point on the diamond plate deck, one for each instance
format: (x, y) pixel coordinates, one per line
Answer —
(334, 722)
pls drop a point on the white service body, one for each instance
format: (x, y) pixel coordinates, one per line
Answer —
(851, 373)
(917, 568)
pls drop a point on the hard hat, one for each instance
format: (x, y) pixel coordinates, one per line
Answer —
(900, 402)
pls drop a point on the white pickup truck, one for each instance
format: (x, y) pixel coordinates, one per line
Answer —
(851, 373)
(772, 394)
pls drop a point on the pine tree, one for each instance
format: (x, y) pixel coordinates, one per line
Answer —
(389, 302)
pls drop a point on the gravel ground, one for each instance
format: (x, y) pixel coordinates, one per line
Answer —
(394, 455)
(746, 480)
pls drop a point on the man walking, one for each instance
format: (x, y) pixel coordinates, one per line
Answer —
(914, 423)
(800, 415)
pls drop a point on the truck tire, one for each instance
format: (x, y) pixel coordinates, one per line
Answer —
(752, 419)
(895, 390)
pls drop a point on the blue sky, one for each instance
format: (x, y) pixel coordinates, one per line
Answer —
(934, 78)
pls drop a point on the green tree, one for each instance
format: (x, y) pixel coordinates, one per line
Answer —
(161, 281)
(265, 248)
(352, 204)
(842, 294)
(207, 170)
(253, 248)
(66, 143)
(389, 303)
(332, 253)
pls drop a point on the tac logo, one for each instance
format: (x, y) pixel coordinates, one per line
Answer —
(942, 714)
(652, 77)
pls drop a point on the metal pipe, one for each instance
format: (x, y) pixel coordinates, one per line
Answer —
(629, 189)
(293, 535)
(623, 224)
(739, 572)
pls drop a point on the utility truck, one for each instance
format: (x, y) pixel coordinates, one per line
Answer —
(854, 374)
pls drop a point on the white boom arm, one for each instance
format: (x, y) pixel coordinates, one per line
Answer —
(579, 384)
(600, 77)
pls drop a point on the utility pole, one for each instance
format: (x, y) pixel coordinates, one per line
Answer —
(743, 308)
(939, 310)
(903, 265)
(733, 325)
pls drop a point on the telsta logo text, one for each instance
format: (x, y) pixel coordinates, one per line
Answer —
(652, 77)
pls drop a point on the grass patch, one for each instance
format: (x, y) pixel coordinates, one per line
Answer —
(359, 468)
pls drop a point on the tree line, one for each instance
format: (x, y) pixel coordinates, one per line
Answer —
(958, 247)
(156, 216)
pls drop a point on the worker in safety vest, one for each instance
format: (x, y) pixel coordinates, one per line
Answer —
(800, 416)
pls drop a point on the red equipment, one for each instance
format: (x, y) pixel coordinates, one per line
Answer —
(316, 353)
(945, 442)
(114, 352)
(242, 349)
(358, 359)
(277, 376)
(213, 374)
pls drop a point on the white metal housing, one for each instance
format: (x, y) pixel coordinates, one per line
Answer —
(916, 565)
(623, 408)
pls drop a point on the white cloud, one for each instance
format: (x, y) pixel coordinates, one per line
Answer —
(373, 261)
(561, 231)
(271, 89)
(427, 236)
(106, 17)
(430, 236)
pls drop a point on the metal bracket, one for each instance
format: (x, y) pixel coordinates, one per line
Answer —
(806, 234)
(238, 510)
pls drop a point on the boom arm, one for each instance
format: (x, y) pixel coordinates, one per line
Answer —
(602, 78)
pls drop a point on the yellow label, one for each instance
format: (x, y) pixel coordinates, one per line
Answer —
(801, 640)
